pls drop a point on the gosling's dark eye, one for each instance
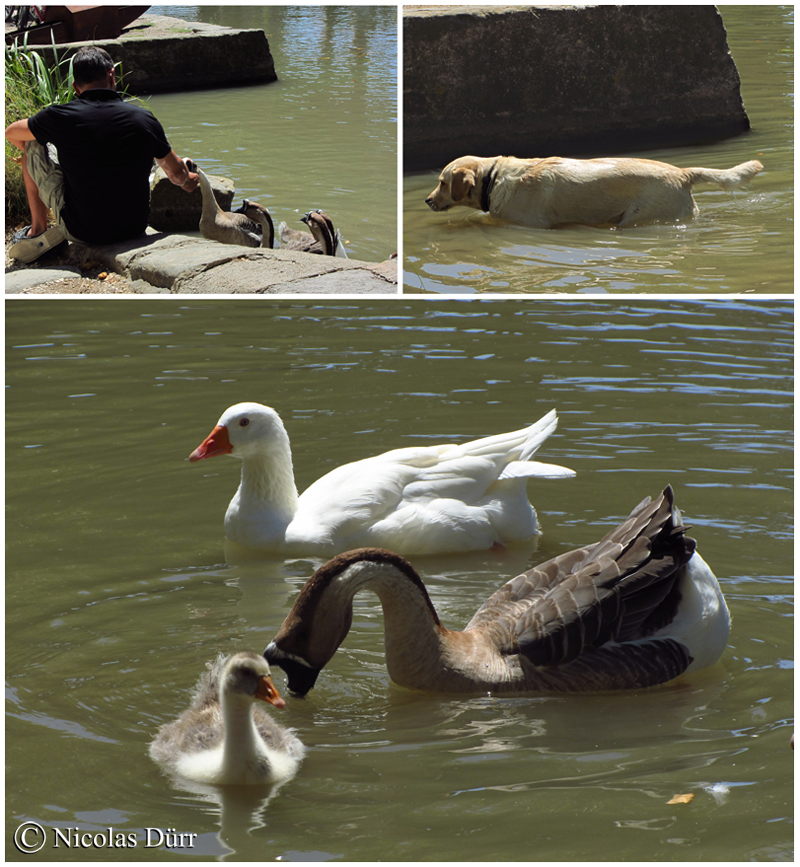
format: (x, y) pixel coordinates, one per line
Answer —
(243, 422)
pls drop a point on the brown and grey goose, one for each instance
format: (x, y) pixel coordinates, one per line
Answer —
(322, 239)
(227, 227)
(260, 215)
(636, 609)
(323, 230)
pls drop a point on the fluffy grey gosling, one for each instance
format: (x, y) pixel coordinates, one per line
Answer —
(224, 737)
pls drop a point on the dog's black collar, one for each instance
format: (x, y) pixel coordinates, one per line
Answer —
(488, 186)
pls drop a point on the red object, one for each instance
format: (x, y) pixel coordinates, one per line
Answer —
(79, 24)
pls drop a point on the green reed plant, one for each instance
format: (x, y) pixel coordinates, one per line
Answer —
(49, 82)
(31, 83)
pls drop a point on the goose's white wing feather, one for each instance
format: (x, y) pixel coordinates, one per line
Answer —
(428, 498)
(537, 470)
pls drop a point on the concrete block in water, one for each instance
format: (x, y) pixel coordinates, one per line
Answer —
(537, 81)
(160, 54)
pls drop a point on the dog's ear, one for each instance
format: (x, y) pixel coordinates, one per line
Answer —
(462, 183)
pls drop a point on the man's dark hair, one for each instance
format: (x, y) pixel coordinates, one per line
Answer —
(91, 64)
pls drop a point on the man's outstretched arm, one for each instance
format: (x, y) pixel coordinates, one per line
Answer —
(175, 169)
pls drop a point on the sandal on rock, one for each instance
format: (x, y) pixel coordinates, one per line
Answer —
(28, 250)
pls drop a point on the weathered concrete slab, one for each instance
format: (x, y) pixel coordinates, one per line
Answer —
(163, 266)
(533, 81)
(180, 264)
(285, 273)
(17, 281)
(160, 54)
(349, 282)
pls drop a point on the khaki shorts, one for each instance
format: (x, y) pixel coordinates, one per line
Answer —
(49, 180)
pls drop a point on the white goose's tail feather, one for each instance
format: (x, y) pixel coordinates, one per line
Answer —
(520, 446)
(536, 469)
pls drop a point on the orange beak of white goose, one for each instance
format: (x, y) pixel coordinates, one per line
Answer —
(216, 443)
(267, 692)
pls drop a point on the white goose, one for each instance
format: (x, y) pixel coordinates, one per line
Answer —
(418, 500)
(637, 609)
(223, 738)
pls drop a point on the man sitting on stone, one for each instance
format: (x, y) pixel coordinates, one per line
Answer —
(99, 190)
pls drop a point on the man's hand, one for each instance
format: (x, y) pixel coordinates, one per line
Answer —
(191, 184)
(178, 172)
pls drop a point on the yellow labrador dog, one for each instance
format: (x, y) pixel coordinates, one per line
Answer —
(555, 191)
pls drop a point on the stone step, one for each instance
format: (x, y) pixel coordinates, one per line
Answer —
(182, 264)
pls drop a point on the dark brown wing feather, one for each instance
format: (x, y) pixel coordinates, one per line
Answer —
(620, 589)
(615, 666)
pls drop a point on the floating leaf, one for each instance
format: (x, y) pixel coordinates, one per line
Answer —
(681, 799)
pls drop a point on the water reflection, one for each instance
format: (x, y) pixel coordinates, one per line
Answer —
(237, 810)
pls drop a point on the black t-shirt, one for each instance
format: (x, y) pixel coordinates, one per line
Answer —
(106, 149)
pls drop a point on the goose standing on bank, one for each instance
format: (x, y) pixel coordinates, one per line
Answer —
(417, 500)
(223, 738)
(227, 227)
(323, 230)
(323, 238)
(259, 214)
(321, 227)
(637, 609)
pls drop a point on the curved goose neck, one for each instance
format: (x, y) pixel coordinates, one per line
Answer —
(413, 631)
(267, 229)
(326, 238)
(268, 480)
(210, 204)
(322, 231)
(328, 241)
(241, 740)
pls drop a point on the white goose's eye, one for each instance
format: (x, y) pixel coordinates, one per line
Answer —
(243, 422)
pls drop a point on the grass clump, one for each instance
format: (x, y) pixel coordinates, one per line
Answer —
(31, 83)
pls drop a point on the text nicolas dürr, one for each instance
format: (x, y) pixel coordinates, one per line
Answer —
(72, 838)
